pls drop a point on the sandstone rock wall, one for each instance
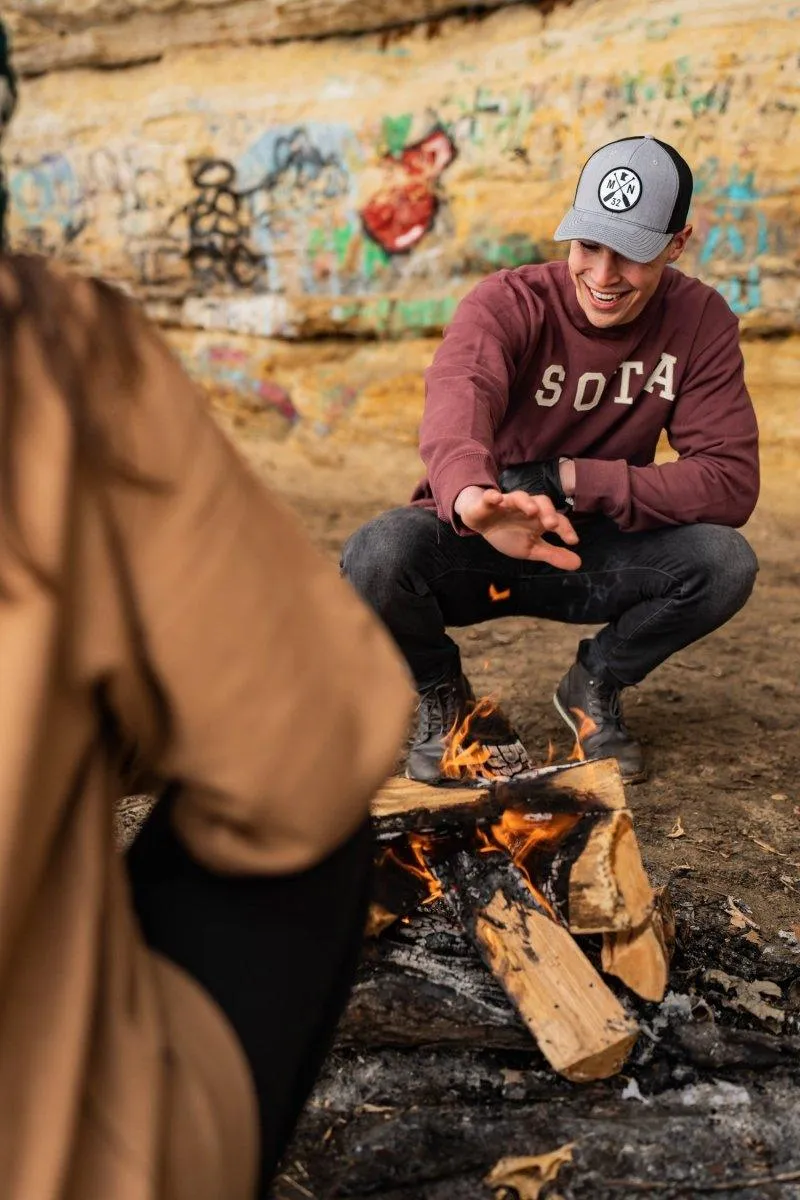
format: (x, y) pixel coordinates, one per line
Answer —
(261, 196)
(54, 34)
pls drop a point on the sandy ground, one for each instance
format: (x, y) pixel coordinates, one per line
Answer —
(720, 719)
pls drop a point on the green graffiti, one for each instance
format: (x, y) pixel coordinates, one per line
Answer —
(342, 236)
(630, 84)
(317, 242)
(656, 31)
(422, 316)
(385, 315)
(394, 132)
(512, 250)
(373, 259)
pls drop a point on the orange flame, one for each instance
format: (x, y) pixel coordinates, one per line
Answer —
(494, 594)
(467, 761)
(586, 726)
(417, 844)
(519, 833)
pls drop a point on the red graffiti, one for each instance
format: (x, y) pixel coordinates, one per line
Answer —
(402, 211)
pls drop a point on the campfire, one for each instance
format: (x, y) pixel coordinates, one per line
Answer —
(529, 865)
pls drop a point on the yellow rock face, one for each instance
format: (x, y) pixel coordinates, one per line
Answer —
(52, 34)
(355, 188)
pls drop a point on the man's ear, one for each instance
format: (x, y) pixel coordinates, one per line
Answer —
(678, 243)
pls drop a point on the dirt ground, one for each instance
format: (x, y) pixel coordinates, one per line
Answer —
(720, 719)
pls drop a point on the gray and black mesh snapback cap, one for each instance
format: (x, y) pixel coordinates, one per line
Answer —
(632, 195)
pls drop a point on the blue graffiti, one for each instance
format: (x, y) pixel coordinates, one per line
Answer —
(48, 200)
(295, 179)
(739, 232)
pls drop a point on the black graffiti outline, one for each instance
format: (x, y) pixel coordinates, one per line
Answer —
(221, 217)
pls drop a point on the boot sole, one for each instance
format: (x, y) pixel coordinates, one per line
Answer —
(636, 777)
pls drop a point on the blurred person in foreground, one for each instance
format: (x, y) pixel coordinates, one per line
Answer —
(544, 406)
(163, 1015)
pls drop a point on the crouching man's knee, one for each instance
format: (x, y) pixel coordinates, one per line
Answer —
(730, 568)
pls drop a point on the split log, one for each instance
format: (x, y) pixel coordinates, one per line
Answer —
(579, 1025)
(641, 957)
(608, 888)
(405, 806)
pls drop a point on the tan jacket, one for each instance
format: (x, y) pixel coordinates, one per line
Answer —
(119, 1077)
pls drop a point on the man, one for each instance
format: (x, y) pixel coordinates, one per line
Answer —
(544, 406)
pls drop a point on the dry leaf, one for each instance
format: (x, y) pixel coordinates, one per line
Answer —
(779, 796)
(527, 1175)
(750, 997)
(677, 830)
(739, 920)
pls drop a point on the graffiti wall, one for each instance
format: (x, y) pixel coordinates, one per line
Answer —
(357, 188)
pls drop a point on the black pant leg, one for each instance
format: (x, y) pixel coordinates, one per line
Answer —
(277, 953)
(396, 562)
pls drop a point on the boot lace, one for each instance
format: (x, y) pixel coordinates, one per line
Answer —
(439, 708)
(605, 704)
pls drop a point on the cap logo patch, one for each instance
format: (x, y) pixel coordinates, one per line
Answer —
(620, 190)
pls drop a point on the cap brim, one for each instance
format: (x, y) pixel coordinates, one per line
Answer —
(631, 241)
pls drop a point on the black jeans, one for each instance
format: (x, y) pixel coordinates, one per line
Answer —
(654, 592)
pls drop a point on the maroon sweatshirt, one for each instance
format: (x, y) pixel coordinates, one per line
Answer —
(522, 375)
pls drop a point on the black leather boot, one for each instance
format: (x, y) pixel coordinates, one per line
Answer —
(443, 708)
(584, 692)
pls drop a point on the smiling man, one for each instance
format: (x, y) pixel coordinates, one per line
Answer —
(544, 407)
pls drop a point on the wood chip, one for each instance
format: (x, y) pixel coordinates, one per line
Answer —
(525, 1176)
(677, 830)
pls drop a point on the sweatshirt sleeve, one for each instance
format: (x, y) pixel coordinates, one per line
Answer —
(713, 429)
(287, 700)
(467, 389)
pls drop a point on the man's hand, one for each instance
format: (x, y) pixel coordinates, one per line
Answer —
(514, 523)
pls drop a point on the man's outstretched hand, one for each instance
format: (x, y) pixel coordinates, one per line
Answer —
(514, 523)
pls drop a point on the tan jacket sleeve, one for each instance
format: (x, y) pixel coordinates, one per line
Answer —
(288, 700)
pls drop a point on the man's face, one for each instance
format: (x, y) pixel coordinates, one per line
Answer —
(612, 290)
